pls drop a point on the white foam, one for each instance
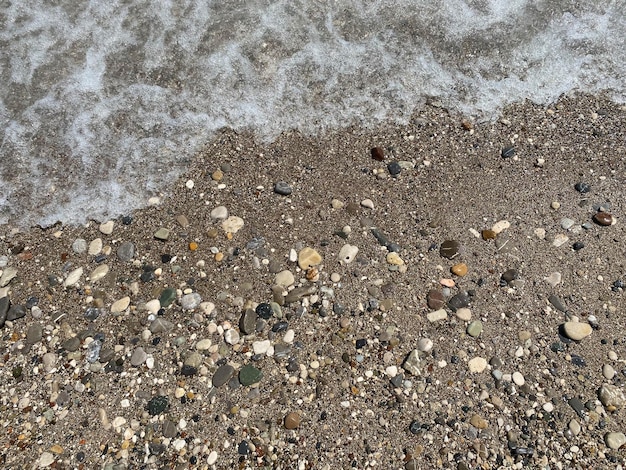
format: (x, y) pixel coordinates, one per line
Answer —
(103, 103)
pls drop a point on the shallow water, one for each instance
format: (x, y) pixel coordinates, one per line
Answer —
(103, 103)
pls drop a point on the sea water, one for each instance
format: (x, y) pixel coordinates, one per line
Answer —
(103, 103)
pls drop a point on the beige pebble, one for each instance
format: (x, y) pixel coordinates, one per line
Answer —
(478, 422)
(608, 371)
(107, 227)
(308, 257)
(464, 314)
(368, 203)
(99, 273)
(477, 365)
(500, 226)
(394, 259)
(347, 253)
(560, 239)
(95, 247)
(437, 315)
(576, 330)
(335, 277)
(120, 305)
(284, 278)
(554, 279)
(46, 459)
(292, 420)
(232, 224)
(73, 277)
(518, 379)
(447, 282)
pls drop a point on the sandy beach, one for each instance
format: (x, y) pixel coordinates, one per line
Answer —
(304, 305)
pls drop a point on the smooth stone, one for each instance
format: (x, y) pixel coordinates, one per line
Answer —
(153, 306)
(247, 322)
(347, 253)
(15, 312)
(8, 275)
(167, 296)
(574, 427)
(478, 422)
(460, 300)
(222, 375)
(518, 378)
(614, 440)
(72, 344)
(450, 249)
(292, 420)
(308, 258)
(73, 277)
(425, 344)
(126, 251)
(49, 360)
(99, 273)
(219, 213)
(477, 365)
(412, 362)
(204, 344)
(299, 292)
(194, 359)
(138, 357)
(464, 314)
(284, 278)
(554, 279)
(261, 347)
(603, 218)
(500, 226)
(475, 328)
(107, 227)
(232, 224)
(510, 275)
(582, 187)
(190, 301)
(437, 315)
(567, 223)
(34, 333)
(5, 304)
(608, 371)
(435, 299)
(120, 305)
(488, 234)
(282, 188)
(46, 459)
(367, 203)
(560, 239)
(162, 234)
(159, 325)
(231, 336)
(79, 246)
(394, 259)
(611, 395)
(95, 247)
(169, 429)
(249, 375)
(459, 269)
(576, 330)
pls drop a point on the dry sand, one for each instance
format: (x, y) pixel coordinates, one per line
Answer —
(535, 405)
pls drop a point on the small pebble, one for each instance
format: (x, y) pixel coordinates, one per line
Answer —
(282, 188)
(292, 420)
(576, 330)
(604, 218)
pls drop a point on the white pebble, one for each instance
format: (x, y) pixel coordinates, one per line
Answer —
(518, 379)
(289, 336)
(189, 184)
(367, 203)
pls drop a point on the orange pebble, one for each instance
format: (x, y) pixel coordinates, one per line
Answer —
(193, 246)
(459, 269)
(219, 256)
(489, 234)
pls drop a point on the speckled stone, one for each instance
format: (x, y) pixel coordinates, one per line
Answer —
(126, 251)
(249, 375)
(611, 395)
(412, 362)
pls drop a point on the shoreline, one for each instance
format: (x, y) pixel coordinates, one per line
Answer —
(321, 379)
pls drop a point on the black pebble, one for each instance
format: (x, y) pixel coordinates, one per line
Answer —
(508, 152)
(243, 448)
(127, 219)
(188, 370)
(166, 258)
(578, 246)
(361, 343)
(582, 187)
(394, 168)
(415, 427)
(264, 311)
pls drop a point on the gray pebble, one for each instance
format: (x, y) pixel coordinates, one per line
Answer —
(222, 375)
(247, 323)
(126, 251)
(160, 325)
(169, 429)
(79, 246)
(139, 357)
(34, 333)
(72, 344)
(190, 301)
(282, 188)
(460, 300)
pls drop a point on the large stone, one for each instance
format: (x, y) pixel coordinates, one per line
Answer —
(308, 257)
(611, 395)
(222, 375)
(347, 253)
(614, 440)
(412, 362)
(576, 330)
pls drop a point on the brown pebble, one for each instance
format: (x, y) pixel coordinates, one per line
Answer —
(449, 249)
(435, 299)
(489, 234)
(603, 218)
(292, 420)
(378, 154)
(467, 124)
(478, 422)
(459, 269)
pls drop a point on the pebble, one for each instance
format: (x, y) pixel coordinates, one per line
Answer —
(604, 218)
(567, 223)
(450, 249)
(292, 420)
(73, 277)
(231, 336)
(249, 375)
(460, 300)
(576, 330)
(367, 203)
(204, 344)
(394, 168)
(500, 226)
(95, 247)
(308, 257)
(608, 371)
(120, 305)
(138, 357)
(582, 187)
(79, 246)
(437, 315)
(223, 374)
(285, 278)
(425, 345)
(8, 275)
(554, 279)
(488, 234)
(261, 347)
(282, 188)
(614, 440)
(611, 395)
(232, 224)
(219, 213)
(126, 251)
(464, 314)
(99, 273)
(478, 422)
(477, 365)
(412, 362)
(435, 299)
(560, 239)
(518, 379)
(162, 234)
(394, 259)
(347, 253)
(459, 269)
(475, 328)
(160, 325)
(46, 459)
(190, 301)
(34, 333)
(49, 360)
(107, 227)
(247, 322)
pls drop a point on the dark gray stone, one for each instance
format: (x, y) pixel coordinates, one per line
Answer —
(450, 249)
(222, 375)
(282, 188)
(126, 251)
(460, 300)
(16, 312)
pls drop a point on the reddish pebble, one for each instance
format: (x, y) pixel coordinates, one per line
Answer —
(378, 154)
(603, 218)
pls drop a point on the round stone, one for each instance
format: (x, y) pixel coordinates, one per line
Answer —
(608, 371)
(190, 301)
(475, 328)
(464, 314)
(603, 218)
(576, 330)
(347, 253)
(126, 251)
(292, 420)
(285, 278)
(107, 227)
(614, 440)
(394, 168)
(231, 336)
(120, 305)
(489, 234)
(611, 396)
(282, 188)
(518, 379)
(459, 269)
(79, 246)
(204, 344)
(308, 257)
(219, 213)
(477, 365)
(157, 405)
(223, 374)
(435, 299)
(450, 249)
(249, 375)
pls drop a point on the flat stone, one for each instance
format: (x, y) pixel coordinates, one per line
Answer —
(475, 328)
(247, 322)
(394, 259)
(437, 315)
(162, 234)
(232, 224)
(223, 374)
(308, 257)
(459, 269)
(49, 360)
(204, 344)
(412, 362)
(604, 219)
(107, 227)
(138, 357)
(79, 246)
(7, 275)
(478, 422)
(608, 371)
(510, 275)
(292, 420)
(284, 278)
(611, 395)
(73, 277)
(554, 279)
(367, 203)
(46, 459)
(34, 333)
(120, 305)
(95, 247)
(249, 375)
(15, 312)
(567, 223)
(194, 359)
(560, 239)
(190, 301)
(464, 314)
(299, 292)
(450, 249)
(169, 429)
(425, 344)
(282, 188)
(167, 297)
(435, 299)
(477, 365)
(160, 325)
(347, 253)
(576, 330)
(614, 440)
(99, 273)
(460, 300)
(500, 226)
(518, 379)
(153, 306)
(126, 251)
(219, 213)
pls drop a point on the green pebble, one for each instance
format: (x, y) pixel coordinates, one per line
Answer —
(167, 297)
(475, 328)
(157, 405)
(249, 375)
(162, 234)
